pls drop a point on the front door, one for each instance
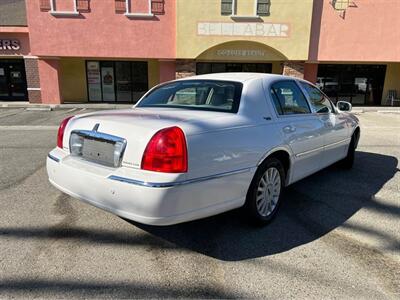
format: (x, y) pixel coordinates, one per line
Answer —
(301, 130)
(335, 130)
(12, 80)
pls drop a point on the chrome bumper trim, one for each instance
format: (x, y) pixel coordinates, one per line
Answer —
(53, 157)
(177, 183)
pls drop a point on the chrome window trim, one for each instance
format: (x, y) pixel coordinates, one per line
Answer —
(177, 183)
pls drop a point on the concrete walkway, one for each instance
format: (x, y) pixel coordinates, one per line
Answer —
(37, 106)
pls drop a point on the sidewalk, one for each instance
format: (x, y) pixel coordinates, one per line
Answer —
(37, 106)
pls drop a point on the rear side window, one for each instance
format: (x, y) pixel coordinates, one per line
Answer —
(318, 100)
(288, 99)
(212, 95)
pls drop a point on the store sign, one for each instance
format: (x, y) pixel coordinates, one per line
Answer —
(10, 45)
(243, 29)
(240, 53)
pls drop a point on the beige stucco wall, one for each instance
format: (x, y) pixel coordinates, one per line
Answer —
(73, 80)
(293, 17)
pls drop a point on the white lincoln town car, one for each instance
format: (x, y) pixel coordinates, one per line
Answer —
(203, 145)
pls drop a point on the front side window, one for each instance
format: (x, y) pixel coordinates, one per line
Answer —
(211, 95)
(288, 99)
(318, 100)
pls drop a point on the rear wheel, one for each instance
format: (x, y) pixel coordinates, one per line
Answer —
(264, 195)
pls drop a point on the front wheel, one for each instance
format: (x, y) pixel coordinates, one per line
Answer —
(265, 191)
(348, 161)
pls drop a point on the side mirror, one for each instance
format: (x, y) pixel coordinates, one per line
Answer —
(344, 106)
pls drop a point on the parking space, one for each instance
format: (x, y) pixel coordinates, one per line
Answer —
(336, 236)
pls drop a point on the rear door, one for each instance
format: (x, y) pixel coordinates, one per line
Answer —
(335, 129)
(301, 129)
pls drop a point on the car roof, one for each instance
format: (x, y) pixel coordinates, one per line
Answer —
(239, 77)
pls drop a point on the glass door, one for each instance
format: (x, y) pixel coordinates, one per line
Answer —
(13, 80)
(17, 81)
(139, 78)
(107, 81)
(94, 80)
(124, 81)
(3, 82)
(116, 81)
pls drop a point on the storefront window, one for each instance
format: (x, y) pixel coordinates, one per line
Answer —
(120, 81)
(358, 84)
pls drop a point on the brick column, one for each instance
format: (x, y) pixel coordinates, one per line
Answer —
(185, 68)
(49, 73)
(310, 72)
(32, 79)
(167, 70)
(293, 69)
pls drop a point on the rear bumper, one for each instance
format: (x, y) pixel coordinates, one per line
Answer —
(158, 205)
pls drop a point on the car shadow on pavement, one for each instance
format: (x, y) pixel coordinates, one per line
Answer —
(310, 209)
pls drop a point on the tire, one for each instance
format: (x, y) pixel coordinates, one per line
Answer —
(348, 161)
(265, 192)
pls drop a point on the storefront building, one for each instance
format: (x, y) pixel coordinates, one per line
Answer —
(268, 36)
(14, 47)
(64, 51)
(101, 51)
(355, 49)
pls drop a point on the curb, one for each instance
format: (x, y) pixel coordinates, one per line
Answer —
(50, 107)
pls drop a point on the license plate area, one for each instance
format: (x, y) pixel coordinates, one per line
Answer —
(97, 147)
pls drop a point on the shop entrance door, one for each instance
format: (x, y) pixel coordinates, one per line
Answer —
(12, 80)
(116, 81)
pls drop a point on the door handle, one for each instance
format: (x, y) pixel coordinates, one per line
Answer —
(289, 129)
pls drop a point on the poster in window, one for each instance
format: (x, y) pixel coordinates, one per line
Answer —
(107, 75)
(94, 80)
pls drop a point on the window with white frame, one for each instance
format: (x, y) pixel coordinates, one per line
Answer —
(130, 6)
(63, 7)
(261, 8)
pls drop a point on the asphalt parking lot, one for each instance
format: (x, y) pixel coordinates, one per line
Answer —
(336, 236)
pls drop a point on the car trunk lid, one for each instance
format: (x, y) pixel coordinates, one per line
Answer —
(135, 126)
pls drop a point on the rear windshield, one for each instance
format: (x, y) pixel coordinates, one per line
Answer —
(214, 95)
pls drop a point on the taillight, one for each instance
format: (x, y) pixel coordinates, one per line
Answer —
(61, 129)
(166, 152)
